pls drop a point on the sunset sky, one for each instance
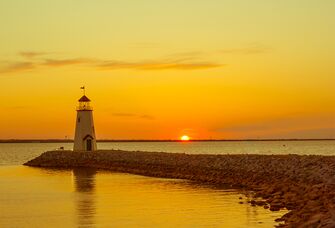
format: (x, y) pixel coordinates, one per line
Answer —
(157, 69)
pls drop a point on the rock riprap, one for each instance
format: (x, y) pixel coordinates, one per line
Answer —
(305, 185)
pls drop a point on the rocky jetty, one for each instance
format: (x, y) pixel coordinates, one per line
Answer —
(305, 185)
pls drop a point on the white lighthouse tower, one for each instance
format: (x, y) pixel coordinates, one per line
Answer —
(84, 139)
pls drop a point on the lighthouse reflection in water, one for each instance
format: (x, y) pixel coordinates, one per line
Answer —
(84, 182)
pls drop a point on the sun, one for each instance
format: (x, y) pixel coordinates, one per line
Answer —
(184, 138)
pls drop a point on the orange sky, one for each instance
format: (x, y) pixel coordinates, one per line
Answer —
(159, 69)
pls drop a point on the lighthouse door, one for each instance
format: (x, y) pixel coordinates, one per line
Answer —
(89, 144)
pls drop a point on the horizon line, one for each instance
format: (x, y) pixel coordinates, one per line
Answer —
(160, 140)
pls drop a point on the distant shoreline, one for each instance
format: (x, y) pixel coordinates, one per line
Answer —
(151, 140)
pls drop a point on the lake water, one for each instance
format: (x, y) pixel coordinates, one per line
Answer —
(37, 197)
(18, 153)
(34, 197)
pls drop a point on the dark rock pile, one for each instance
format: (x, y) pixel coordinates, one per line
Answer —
(305, 185)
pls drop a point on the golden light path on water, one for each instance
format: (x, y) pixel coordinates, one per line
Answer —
(34, 197)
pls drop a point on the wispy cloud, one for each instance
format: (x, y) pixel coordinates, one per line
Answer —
(157, 65)
(17, 67)
(188, 55)
(67, 62)
(285, 122)
(178, 64)
(310, 133)
(188, 60)
(148, 117)
(254, 48)
(31, 54)
(133, 115)
(180, 61)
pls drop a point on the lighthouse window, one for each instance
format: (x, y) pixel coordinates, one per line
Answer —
(79, 120)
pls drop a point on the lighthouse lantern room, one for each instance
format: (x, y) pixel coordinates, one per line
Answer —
(84, 139)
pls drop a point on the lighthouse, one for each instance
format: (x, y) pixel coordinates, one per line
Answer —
(84, 139)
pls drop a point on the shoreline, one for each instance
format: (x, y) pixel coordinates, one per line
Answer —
(303, 184)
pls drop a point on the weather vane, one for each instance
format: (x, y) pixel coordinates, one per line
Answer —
(83, 88)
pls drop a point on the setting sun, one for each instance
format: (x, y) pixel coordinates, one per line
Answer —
(184, 138)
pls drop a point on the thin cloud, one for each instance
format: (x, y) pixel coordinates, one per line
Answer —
(148, 117)
(17, 67)
(133, 115)
(188, 55)
(310, 133)
(250, 49)
(66, 62)
(181, 61)
(31, 54)
(157, 65)
(295, 121)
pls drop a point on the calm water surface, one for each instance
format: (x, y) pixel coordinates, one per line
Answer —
(18, 153)
(36, 197)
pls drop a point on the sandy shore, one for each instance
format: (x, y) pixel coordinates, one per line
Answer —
(305, 185)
